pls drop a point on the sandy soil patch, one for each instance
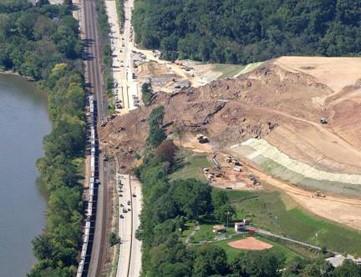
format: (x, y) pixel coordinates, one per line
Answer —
(250, 243)
(318, 147)
(190, 142)
(330, 71)
(348, 214)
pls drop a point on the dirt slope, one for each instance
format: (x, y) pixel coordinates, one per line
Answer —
(281, 101)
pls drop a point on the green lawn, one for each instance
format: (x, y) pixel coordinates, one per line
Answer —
(228, 70)
(190, 165)
(276, 249)
(267, 210)
(273, 211)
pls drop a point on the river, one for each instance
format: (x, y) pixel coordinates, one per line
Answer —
(24, 122)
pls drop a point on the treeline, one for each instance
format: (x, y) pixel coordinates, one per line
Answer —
(43, 43)
(168, 205)
(34, 39)
(107, 58)
(120, 11)
(233, 31)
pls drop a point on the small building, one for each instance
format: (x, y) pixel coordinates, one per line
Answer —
(240, 226)
(217, 229)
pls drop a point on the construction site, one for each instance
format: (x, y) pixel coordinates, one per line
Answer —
(291, 123)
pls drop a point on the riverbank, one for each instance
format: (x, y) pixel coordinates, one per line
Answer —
(12, 73)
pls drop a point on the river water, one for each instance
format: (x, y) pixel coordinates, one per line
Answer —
(24, 122)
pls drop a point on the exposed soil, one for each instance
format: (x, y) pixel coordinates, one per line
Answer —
(250, 243)
(282, 101)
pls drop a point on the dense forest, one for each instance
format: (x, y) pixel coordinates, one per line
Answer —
(42, 42)
(168, 205)
(234, 31)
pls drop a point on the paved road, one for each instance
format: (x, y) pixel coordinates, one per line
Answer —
(125, 230)
(136, 254)
(95, 86)
(129, 264)
(122, 45)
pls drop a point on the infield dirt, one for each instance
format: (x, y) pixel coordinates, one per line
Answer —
(250, 243)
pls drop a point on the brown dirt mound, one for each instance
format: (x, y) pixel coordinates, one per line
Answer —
(270, 103)
(250, 244)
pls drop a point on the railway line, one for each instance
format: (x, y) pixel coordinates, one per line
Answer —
(92, 256)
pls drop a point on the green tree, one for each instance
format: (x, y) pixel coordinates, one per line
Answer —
(210, 260)
(257, 264)
(113, 239)
(348, 268)
(193, 197)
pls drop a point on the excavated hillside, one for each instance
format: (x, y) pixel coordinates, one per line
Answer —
(281, 105)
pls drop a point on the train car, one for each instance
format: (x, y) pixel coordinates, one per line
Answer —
(80, 270)
(92, 166)
(92, 133)
(86, 235)
(84, 250)
(91, 195)
(90, 209)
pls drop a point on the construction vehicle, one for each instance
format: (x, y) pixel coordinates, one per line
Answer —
(202, 139)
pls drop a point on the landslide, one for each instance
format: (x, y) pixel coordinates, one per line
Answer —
(262, 104)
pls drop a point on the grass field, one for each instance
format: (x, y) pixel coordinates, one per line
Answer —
(278, 213)
(228, 70)
(276, 249)
(190, 165)
(273, 211)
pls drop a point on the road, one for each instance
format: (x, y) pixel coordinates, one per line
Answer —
(95, 86)
(129, 264)
(122, 44)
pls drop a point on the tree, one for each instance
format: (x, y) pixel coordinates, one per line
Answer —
(193, 197)
(223, 210)
(147, 93)
(166, 152)
(156, 136)
(258, 264)
(295, 267)
(348, 268)
(249, 30)
(42, 247)
(113, 239)
(210, 260)
(156, 117)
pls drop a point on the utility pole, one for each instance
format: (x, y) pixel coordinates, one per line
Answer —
(227, 213)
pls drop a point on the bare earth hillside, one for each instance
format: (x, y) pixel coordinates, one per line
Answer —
(281, 102)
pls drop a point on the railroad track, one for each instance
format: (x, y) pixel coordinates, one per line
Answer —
(95, 87)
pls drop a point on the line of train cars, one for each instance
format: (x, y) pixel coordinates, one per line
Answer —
(92, 193)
